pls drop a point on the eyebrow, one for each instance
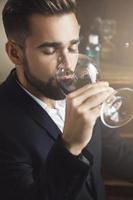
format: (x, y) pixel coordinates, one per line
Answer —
(57, 44)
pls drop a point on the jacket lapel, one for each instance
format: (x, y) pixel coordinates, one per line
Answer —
(20, 98)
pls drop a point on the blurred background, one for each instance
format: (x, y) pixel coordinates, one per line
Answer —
(107, 36)
(5, 64)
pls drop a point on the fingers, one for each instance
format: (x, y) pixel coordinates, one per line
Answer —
(85, 88)
(97, 99)
(90, 92)
(96, 111)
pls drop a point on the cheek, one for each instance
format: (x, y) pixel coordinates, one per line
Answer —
(42, 66)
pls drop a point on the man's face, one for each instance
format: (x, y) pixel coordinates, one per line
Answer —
(52, 40)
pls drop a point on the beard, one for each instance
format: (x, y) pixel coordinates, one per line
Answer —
(49, 89)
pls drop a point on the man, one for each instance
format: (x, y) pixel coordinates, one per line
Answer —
(48, 152)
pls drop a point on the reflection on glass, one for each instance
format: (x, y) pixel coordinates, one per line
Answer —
(117, 110)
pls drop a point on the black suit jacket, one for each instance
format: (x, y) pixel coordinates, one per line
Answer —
(34, 164)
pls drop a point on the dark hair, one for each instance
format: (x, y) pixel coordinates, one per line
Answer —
(16, 14)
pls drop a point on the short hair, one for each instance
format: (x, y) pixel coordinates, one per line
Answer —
(16, 14)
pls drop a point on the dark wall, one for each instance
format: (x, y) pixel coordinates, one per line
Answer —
(120, 10)
(87, 11)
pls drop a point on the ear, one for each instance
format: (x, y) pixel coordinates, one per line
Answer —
(14, 52)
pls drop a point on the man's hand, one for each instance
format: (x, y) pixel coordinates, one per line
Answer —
(82, 109)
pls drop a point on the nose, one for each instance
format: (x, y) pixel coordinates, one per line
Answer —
(69, 60)
(64, 59)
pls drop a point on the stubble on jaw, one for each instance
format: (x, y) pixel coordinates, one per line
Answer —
(49, 89)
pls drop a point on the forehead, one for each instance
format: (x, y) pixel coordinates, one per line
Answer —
(62, 28)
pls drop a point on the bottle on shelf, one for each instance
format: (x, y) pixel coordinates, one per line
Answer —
(93, 48)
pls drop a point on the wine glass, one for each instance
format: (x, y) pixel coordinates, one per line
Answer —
(117, 110)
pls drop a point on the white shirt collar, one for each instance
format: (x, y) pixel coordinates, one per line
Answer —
(57, 114)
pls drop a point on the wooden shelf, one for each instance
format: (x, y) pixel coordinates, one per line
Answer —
(117, 74)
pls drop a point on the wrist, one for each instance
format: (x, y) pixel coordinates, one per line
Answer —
(74, 149)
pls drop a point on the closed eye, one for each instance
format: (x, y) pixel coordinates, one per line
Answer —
(49, 50)
(74, 48)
